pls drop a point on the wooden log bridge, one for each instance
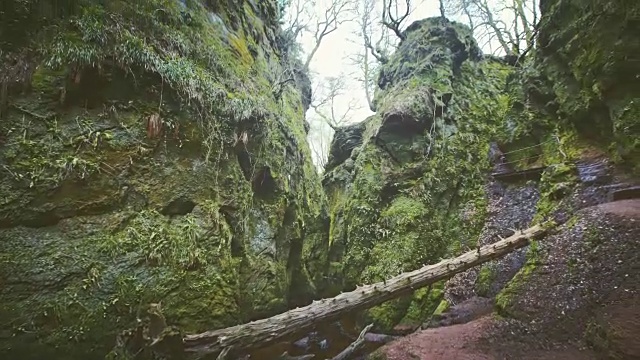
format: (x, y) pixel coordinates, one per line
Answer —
(257, 334)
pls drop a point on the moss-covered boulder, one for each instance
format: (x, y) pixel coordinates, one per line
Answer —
(149, 154)
(395, 199)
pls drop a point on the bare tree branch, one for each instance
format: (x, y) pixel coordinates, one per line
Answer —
(297, 19)
(319, 144)
(391, 17)
(325, 102)
(509, 23)
(282, 78)
(375, 44)
(329, 113)
(354, 346)
(305, 17)
(337, 13)
(365, 20)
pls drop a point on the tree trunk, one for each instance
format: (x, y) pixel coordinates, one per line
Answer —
(260, 333)
(367, 76)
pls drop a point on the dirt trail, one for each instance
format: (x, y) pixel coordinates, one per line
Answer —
(450, 342)
(465, 342)
(479, 339)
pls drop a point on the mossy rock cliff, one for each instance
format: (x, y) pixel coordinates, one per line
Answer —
(397, 197)
(588, 66)
(149, 154)
(581, 84)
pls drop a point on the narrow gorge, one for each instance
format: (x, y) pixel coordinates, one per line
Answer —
(156, 176)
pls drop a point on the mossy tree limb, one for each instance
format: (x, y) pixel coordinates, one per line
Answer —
(267, 331)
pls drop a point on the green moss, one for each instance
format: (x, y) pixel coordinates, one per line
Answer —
(183, 47)
(572, 222)
(46, 154)
(557, 181)
(571, 265)
(130, 111)
(424, 303)
(505, 299)
(404, 206)
(596, 336)
(178, 246)
(626, 124)
(403, 211)
(592, 237)
(108, 279)
(586, 69)
(442, 307)
(240, 46)
(47, 82)
(486, 276)
(409, 310)
(389, 314)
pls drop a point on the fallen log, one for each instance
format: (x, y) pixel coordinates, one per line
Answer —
(260, 333)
